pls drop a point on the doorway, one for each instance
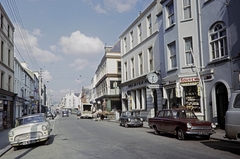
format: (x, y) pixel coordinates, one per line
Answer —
(155, 102)
(222, 104)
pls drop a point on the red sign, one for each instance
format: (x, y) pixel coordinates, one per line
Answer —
(193, 79)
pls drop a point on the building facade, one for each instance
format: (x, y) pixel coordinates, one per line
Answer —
(140, 55)
(107, 79)
(7, 95)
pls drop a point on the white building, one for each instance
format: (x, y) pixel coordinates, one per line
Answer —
(7, 96)
(26, 88)
(70, 101)
(107, 80)
(140, 55)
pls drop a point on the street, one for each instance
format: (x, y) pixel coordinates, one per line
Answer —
(86, 139)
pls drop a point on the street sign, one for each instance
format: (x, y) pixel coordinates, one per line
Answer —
(155, 86)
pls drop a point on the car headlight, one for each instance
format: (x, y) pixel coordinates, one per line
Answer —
(141, 119)
(129, 119)
(189, 125)
(213, 125)
(10, 134)
(44, 128)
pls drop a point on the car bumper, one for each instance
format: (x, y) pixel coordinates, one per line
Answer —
(29, 141)
(135, 123)
(198, 132)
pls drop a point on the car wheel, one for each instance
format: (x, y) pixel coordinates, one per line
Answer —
(120, 123)
(14, 148)
(206, 137)
(156, 131)
(180, 134)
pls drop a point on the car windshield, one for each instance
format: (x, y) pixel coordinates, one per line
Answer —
(184, 114)
(32, 119)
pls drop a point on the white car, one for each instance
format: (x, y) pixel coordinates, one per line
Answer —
(232, 117)
(30, 129)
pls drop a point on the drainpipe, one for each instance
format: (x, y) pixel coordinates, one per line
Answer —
(201, 58)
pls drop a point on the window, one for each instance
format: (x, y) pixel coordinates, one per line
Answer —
(188, 51)
(170, 13)
(139, 33)
(131, 38)
(150, 56)
(149, 20)
(2, 45)
(161, 114)
(172, 54)
(218, 41)
(125, 68)
(237, 102)
(9, 57)
(8, 31)
(125, 45)
(114, 84)
(9, 83)
(132, 62)
(1, 21)
(2, 80)
(187, 9)
(119, 66)
(140, 64)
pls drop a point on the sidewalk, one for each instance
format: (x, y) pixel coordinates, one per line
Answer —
(4, 144)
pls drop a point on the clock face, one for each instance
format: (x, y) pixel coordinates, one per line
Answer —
(152, 78)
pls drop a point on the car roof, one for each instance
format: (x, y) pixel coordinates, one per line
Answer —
(32, 115)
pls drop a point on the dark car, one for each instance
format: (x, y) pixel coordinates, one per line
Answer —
(128, 118)
(181, 122)
(65, 113)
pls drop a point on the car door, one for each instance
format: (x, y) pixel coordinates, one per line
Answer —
(167, 121)
(159, 120)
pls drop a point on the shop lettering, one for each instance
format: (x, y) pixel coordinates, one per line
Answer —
(136, 84)
(184, 80)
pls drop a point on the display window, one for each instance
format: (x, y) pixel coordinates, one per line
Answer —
(192, 98)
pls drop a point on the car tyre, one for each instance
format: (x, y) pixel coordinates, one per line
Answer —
(15, 148)
(120, 123)
(206, 137)
(156, 131)
(180, 134)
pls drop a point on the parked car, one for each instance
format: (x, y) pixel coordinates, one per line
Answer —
(181, 122)
(65, 113)
(30, 129)
(232, 117)
(128, 118)
(50, 115)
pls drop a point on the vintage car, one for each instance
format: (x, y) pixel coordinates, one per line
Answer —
(50, 115)
(128, 118)
(65, 113)
(232, 117)
(30, 129)
(181, 122)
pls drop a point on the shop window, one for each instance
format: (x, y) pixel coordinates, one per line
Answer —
(192, 100)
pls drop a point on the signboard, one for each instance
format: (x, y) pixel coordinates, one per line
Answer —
(153, 86)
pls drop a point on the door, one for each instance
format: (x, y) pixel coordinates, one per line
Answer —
(222, 104)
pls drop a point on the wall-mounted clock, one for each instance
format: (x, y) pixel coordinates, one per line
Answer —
(152, 78)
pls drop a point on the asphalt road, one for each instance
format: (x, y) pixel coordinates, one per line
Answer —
(87, 139)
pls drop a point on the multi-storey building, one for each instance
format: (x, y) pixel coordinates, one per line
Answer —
(7, 95)
(71, 101)
(140, 55)
(201, 54)
(107, 79)
(26, 89)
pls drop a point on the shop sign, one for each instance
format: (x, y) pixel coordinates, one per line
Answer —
(187, 80)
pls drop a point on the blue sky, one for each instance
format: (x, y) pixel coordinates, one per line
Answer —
(66, 38)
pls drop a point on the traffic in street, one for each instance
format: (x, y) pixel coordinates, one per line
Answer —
(86, 139)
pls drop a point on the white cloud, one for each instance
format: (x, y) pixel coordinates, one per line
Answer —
(27, 44)
(79, 44)
(99, 9)
(80, 64)
(46, 76)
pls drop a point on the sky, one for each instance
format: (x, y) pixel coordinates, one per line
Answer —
(66, 38)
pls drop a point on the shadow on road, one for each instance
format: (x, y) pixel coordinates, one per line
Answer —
(223, 146)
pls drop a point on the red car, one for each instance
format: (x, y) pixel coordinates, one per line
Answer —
(181, 122)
